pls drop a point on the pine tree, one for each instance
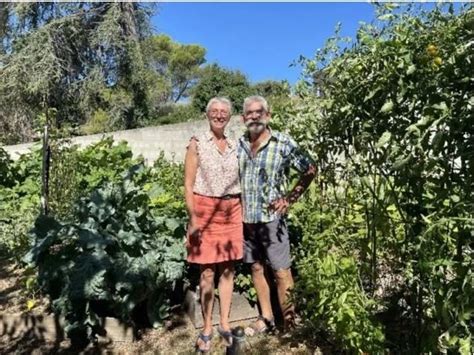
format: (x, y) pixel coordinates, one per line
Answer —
(73, 58)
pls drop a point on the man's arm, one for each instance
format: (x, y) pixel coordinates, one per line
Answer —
(281, 205)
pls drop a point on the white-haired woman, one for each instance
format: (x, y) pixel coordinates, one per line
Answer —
(215, 231)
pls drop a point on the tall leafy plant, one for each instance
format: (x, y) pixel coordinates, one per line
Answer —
(389, 121)
(19, 201)
(112, 256)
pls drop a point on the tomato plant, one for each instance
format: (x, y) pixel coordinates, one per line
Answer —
(389, 120)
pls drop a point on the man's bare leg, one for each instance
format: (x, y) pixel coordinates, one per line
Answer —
(263, 292)
(285, 284)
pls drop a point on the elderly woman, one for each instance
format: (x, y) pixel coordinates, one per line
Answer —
(215, 232)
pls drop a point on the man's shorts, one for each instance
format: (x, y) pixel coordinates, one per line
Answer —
(267, 242)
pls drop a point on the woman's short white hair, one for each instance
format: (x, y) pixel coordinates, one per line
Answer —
(221, 100)
(255, 98)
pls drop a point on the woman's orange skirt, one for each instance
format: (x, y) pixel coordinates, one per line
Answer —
(221, 237)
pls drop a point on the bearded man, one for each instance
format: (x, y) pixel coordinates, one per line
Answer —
(265, 158)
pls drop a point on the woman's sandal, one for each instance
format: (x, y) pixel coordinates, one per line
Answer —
(226, 335)
(254, 329)
(206, 339)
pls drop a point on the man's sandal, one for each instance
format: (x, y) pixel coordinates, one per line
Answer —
(205, 339)
(254, 329)
(226, 335)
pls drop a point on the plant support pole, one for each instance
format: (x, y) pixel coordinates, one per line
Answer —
(45, 171)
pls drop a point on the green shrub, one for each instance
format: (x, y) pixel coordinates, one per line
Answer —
(218, 81)
(334, 302)
(98, 123)
(389, 121)
(7, 174)
(111, 257)
(330, 288)
(76, 172)
(175, 114)
(19, 201)
(18, 211)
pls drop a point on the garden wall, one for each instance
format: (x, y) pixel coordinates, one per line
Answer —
(148, 141)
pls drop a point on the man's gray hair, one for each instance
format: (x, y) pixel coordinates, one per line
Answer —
(255, 98)
(221, 100)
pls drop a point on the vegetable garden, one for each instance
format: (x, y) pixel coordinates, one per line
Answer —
(383, 239)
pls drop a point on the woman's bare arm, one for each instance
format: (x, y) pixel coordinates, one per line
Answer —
(190, 169)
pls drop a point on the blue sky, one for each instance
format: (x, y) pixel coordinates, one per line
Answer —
(259, 39)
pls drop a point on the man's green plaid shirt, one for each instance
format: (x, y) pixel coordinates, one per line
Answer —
(264, 177)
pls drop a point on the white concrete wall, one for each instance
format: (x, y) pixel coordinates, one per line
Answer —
(149, 141)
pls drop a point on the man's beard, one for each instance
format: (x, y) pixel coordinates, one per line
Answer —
(256, 127)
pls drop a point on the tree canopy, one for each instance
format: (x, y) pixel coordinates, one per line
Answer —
(95, 67)
(173, 68)
(218, 81)
(73, 57)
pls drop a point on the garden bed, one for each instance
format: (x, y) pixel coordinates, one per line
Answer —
(38, 332)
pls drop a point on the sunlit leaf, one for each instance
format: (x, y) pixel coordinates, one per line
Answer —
(387, 106)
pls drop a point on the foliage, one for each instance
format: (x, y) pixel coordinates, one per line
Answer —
(73, 173)
(64, 56)
(389, 121)
(176, 113)
(217, 81)
(7, 175)
(175, 67)
(117, 250)
(272, 88)
(329, 288)
(99, 122)
(170, 196)
(277, 93)
(113, 255)
(243, 284)
(101, 162)
(19, 201)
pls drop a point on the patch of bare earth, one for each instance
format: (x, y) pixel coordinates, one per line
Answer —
(10, 289)
(13, 294)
